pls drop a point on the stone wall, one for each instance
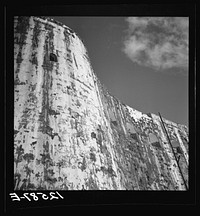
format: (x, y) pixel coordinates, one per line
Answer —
(70, 133)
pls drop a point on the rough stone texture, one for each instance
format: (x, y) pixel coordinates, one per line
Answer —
(71, 134)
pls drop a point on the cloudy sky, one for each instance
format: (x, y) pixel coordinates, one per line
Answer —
(143, 61)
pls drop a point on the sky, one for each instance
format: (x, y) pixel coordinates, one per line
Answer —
(143, 61)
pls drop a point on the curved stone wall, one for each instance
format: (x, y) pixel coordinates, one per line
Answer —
(71, 134)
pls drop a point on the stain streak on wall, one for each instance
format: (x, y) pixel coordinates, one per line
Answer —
(70, 133)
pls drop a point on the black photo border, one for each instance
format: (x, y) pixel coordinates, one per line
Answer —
(96, 198)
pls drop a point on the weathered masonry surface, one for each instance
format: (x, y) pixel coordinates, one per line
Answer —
(71, 134)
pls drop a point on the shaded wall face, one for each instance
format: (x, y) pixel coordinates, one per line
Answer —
(70, 133)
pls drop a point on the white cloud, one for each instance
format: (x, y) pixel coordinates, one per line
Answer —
(158, 42)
